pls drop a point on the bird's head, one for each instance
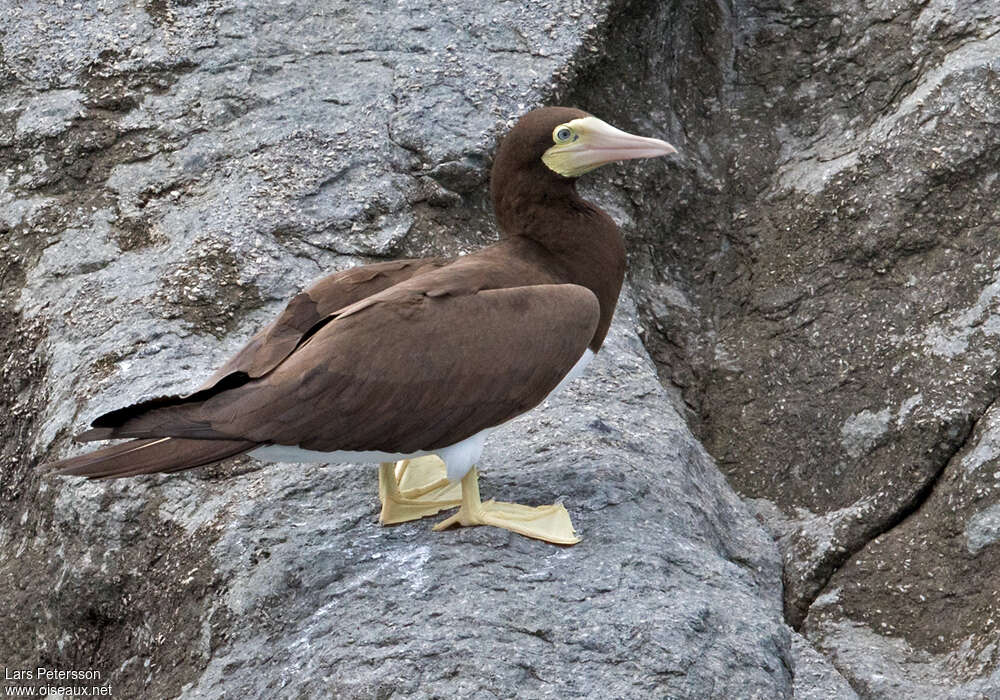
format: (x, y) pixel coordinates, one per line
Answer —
(568, 142)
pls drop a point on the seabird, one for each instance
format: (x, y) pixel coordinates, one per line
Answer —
(414, 362)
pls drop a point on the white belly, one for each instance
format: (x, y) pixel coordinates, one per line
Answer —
(459, 457)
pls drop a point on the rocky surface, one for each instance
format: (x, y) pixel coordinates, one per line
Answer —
(926, 585)
(825, 309)
(170, 173)
(815, 278)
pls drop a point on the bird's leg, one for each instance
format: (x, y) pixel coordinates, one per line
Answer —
(549, 523)
(414, 488)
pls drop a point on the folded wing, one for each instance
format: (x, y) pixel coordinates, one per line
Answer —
(278, 339)
(407, 370)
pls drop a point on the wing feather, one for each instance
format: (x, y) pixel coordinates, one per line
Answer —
(278, 339)
(408, 372)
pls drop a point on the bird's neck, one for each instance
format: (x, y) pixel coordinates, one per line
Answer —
(582, 241)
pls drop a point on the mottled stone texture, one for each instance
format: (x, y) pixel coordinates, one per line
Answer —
(824, 307)
(170, 172)
(816, 277)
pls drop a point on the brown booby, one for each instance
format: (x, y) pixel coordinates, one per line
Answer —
(414, 362)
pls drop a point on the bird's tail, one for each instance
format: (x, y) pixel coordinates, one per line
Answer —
(149, 456)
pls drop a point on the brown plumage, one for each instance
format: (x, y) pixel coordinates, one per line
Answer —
(150, 456)
(404, 356)
(276, 340)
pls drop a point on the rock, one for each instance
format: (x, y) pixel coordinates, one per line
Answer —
(823, 302)
(886, 666)
(916, 599)
(815, 678)
(48, 114)
(172, 172)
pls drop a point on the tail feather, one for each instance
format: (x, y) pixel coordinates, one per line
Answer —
(148, 456)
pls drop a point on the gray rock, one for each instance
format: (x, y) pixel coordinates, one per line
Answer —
(216, 158)
(815, 277)
(822, 297)
(983, 529)
(48, 114)
(815, 677)
(886, 666)
(914, 613)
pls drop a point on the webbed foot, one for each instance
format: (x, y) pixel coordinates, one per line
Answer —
(549, 523)
(411, 489)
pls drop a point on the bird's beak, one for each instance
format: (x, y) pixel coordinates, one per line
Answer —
(595, 143)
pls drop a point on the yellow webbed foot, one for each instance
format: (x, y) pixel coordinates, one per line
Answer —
(411, 489)
(549, 523)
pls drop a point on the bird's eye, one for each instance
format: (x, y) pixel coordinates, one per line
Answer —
(564, 134)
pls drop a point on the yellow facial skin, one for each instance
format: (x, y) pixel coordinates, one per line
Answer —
(581, 145)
